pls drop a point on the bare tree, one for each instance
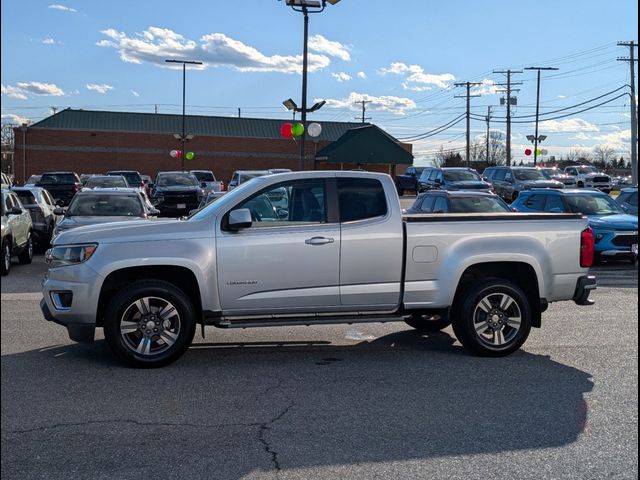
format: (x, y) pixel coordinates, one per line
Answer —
(497, 149)
(7, 147)
(603, 154)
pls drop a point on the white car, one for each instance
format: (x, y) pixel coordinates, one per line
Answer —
(588, 176)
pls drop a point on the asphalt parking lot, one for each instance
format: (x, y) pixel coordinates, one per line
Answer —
(358, 402)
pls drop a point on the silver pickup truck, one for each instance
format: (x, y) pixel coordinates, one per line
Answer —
(308, 248)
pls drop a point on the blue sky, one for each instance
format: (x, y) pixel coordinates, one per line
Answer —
(402, 57)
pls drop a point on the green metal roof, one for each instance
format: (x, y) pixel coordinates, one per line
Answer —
(70, 119)
(365, 144)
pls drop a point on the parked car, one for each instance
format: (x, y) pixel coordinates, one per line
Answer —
(6, 181)
(615, 232)
(451, 178)
(176, 193)
(409, 180)
(208, 180)
(85, 176)
(342, 253)
(41, 206)
(105, 181)
(148, 184)
(92, 207)
(32, 180)
(16, 232)
(556, 174)
(458, 201)
(587, 176)
(133, 177)
(628, 200)
(61, 185)
(241, 176)
(509, 182)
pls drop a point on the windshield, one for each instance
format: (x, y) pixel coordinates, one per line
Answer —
(133, 178)
(593, 204)
(530, 174)
(176, 180)
(112, 181)
(461, 176)
(27, 198)
(228, 198)
(477, 205)
(103, 205)
(204, 176)
(57, 178)
(586, 169)
(550, 171)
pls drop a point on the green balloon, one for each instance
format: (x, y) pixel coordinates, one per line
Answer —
(190, 155)
(297, 129)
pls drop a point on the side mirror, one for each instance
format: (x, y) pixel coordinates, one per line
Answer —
(239, 219)
(283, 214)
(438, 181)
(58, 211)
(15, 211)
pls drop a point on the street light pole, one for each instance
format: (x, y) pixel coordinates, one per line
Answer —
(535, 140)
(24, 128)
(303, 114)
(183, 137)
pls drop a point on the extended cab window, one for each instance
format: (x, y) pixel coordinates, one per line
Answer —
(298, 202)
(361, 198)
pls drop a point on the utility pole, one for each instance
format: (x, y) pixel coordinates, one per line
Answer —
(509, 102)
(364, 109)
(239, 113)
(488, 119)
(634, 114)
(54, 110)
(468, 95)
(155, 109)
(536, 138)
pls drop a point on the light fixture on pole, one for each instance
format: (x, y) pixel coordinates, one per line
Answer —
(306, 7)
(183, 137)
(536, 138)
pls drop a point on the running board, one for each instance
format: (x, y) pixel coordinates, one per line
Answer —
(304, 321)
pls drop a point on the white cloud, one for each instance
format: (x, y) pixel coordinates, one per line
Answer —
(341, 76)
(569, 125)
(562, 96)
(99, 87)
(581, 136)
(23, 89)
(417, 79)
(49, 41)
(488, 87)
(155, 44)
(320, 44)
(56, 6)
(362, 75)
(14, 119)
(134, 93)
(618, 140)
(397, 105)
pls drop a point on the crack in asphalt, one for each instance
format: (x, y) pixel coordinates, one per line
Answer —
(262, 430)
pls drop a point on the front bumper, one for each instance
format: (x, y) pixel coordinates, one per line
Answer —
(585, 284)
(78, 332)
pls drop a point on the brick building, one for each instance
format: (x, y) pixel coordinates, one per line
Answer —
(87, 141)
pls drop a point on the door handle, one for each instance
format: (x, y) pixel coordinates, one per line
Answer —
(318, 240)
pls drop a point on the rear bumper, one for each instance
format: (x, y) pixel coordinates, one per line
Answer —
(585, 284)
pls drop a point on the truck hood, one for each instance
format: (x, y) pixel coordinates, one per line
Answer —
(620, 221)
(135, 231)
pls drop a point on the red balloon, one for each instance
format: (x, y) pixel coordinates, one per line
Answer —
(178, 153)
(527, 151)
(285, 130)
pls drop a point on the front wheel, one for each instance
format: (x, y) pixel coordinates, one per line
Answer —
(6, 257)
(150, 324)
(26, 256)
(494, 318)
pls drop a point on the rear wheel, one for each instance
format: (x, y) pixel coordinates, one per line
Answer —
(493, 319)
(5, 266)
(427, 323)
(150, 324)
(26, 256)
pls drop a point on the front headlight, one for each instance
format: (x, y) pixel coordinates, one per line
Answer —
(69, 254)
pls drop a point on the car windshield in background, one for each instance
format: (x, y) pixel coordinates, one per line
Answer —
(107, 182)
(133, 178)
(54, 179)
(204, 176)
(550, 171)
(101, 205)
(33, 179)
(530, 174)
(27, 198)
(176, 179)
(460, 176)
(593, 205)
(477, 205)
(587, 169)
(244, 177)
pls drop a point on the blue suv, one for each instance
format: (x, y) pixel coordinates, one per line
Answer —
(615, 232)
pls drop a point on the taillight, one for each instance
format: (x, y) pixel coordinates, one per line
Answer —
(142, 184)
(76, 187)
(586, 248)
(222, 186)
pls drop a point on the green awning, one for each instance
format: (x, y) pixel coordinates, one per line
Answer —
(368, 144)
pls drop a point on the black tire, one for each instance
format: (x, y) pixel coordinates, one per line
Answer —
(5, 264)
(427, 324)
(26, 256)
(400, 191)
(472, 314)
(122, 308)
(514, 196)
(580, 185)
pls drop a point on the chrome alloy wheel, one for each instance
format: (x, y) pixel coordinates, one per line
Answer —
(497, 319)
(150, 326)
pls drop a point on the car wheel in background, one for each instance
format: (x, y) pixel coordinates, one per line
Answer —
(580, 185)
(150, 324)
(5, 266)
(493, 318)
(428, 323)
(26, 256)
